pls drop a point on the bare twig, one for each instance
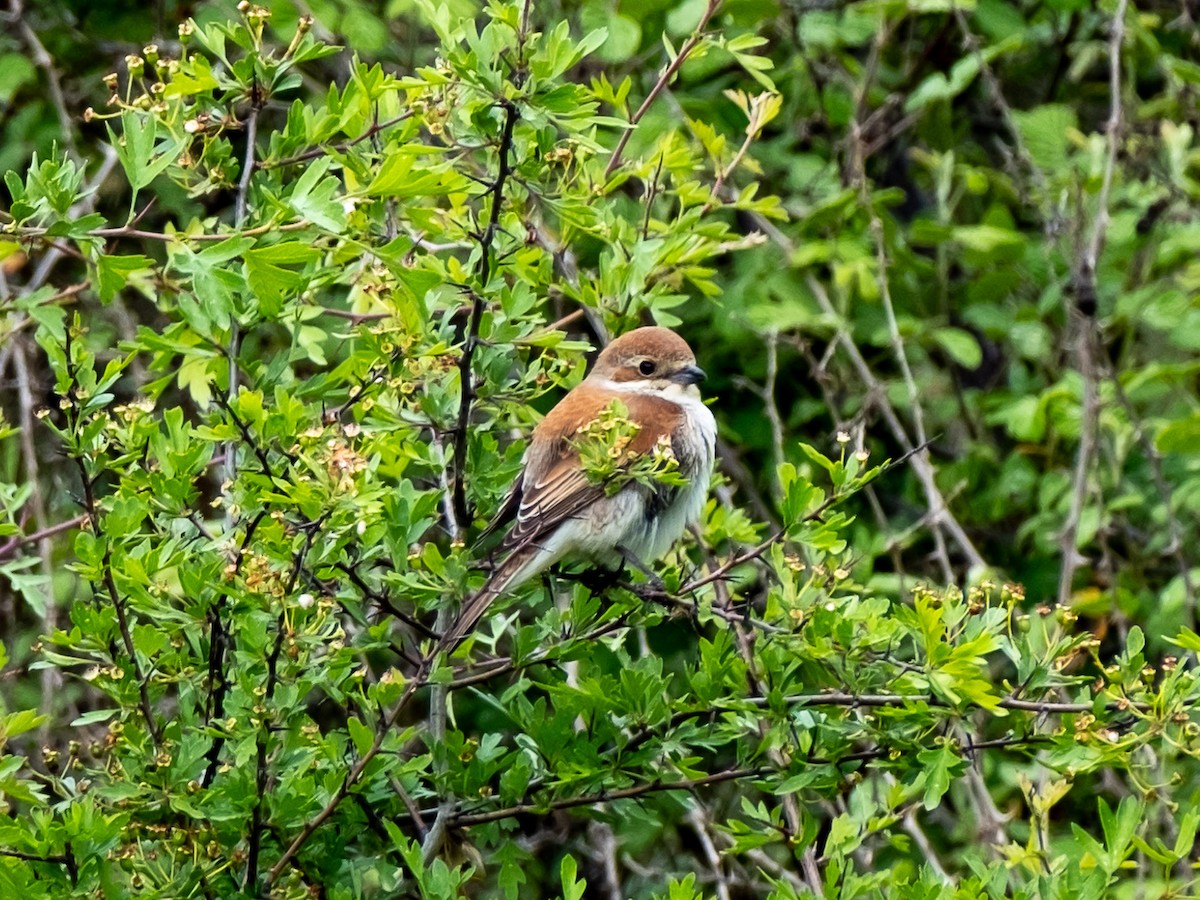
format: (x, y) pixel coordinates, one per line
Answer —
(44, 61)
(858, 152)
(219, 647)
(439, 698)
(1084, 318)
(17, 541)
(468, 819)
(262, 768)
(698, 819)
(971, 43)
(66, 859)
(921, 465)
(123, 231)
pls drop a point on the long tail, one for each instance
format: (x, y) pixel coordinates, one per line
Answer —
(509, 573)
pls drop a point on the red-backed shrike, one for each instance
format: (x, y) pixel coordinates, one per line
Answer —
(561, 512)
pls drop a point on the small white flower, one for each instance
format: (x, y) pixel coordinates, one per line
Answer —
(306, 600)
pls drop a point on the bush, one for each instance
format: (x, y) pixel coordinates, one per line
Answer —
(295, 353)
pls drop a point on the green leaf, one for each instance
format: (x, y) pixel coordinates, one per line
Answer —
(960, 345)
(315, 197)
(142, 158)
(573, 888)
(1135, 641)
(19, 722)
(112, 272)
(1181, 436)
(268, 278)
(93, 716)
(360, 734)
(1044, 130)
(988, 238)
(940, 766)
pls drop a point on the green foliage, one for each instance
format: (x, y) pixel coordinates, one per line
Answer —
(276, 333)
(609, 461)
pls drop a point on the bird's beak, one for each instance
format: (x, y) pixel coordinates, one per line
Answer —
(689, 375)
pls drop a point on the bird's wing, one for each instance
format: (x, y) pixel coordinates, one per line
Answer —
(553, 486)
(552, 491)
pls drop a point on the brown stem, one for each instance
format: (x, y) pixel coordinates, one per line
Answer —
(663, 80)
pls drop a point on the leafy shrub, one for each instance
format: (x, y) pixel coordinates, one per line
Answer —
(293, 359)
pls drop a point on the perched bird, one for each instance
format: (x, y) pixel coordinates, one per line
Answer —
(562, 513)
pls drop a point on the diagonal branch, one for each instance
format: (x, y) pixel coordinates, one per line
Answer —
(663, 80)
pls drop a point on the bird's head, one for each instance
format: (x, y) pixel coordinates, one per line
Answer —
(650, 360)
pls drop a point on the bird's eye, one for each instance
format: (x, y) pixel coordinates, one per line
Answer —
(646, 367)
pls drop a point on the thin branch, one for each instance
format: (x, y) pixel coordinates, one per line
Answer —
(386, 724)
(140, 234)
(91, 507)
(858, 152)
(663, 80)
(219, 645)
(242, 199)
(484, 271)
(698, 818)
(1095, 245)
(114, 597)
(317, 152)
(66, 859)
(971, 43)
(439, 698)
(51, 677)
(262, 769)
(466, 820)
(1047, 707)
(247, 437)
(1084, 318)
(239, 219)
(875, 701)
(1080, 479)
(921, 465)
(17, 541)
(44, 61)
